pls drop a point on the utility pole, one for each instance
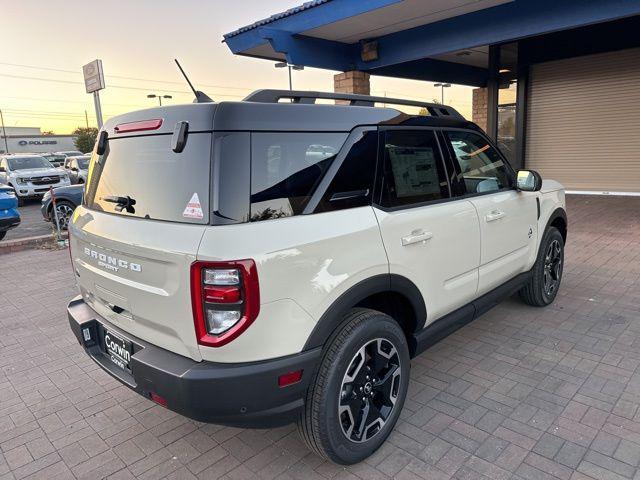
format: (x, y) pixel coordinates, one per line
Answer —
(86, 118)
(4, 134)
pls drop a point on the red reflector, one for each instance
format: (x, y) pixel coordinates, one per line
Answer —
(289, 378)
(226, 294)
(152, 124)
(158, 399)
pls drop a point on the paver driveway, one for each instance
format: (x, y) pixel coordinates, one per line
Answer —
(519, 393)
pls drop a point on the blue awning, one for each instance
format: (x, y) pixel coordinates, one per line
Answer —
(420, 39)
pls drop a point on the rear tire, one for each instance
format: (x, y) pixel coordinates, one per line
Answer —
(546, 275)
(359, 390)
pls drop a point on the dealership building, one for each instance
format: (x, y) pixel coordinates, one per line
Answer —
(557, 83)
(31, 140)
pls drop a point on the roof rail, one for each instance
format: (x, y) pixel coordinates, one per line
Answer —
(299, 96)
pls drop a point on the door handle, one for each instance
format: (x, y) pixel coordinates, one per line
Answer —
(494, 215)
(417, 236)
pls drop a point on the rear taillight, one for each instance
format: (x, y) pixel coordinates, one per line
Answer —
(225, 298)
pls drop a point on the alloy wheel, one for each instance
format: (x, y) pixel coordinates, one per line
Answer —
(64, 212)
(369, 390)
(552, 267)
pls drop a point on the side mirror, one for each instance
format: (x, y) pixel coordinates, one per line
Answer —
(529, 181)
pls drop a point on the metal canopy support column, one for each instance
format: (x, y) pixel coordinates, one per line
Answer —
(521, 115)
(492, 92)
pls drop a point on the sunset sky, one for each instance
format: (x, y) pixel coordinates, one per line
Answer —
(45, 45)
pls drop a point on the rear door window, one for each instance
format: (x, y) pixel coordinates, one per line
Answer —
(164, 185)
(286, 169)
(413, 171)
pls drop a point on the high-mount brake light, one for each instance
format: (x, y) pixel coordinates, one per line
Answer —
(139, 126)
(225, 297)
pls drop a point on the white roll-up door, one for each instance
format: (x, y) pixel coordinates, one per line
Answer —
(583, 121)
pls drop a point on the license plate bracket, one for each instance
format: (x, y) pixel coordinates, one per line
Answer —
(117, 349)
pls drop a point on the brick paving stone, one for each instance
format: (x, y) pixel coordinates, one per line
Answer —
(520, 393)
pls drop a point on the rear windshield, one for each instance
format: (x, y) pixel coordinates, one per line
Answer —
(163, 184)
(83, 163)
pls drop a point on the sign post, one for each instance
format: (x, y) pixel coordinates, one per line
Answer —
(94, 82)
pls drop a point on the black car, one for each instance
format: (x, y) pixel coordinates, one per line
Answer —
(67, 199)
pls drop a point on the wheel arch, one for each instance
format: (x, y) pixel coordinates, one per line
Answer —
(392, 294)
(558, 219)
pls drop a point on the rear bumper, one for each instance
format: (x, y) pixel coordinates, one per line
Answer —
(239, 394)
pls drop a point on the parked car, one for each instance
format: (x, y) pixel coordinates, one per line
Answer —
(30, 175)
(301, 257)
(67, 199)
(70, 153)
(9, 215)
(55, 159)
(77, 168)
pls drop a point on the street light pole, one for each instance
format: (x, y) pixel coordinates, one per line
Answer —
(289, 67)
(159, 97)
(4, 134)
(442, 87)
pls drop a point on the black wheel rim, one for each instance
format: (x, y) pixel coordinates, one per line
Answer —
(369, 390)
(552, 268)
(64, 212)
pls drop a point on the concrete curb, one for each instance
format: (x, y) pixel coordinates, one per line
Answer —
(10, 246)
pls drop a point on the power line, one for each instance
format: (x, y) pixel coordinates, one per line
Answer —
(86, 102)
(122, 76)
(72, 82)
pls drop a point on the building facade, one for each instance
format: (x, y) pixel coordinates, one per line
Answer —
(31, 140)
(556, 82)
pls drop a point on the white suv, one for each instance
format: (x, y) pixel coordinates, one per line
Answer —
(30, 175)
(262, 262)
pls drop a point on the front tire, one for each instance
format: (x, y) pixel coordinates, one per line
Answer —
(359, 390)
(546, 275)
(65, 211)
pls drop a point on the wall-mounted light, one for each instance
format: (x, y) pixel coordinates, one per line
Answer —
(368, 50)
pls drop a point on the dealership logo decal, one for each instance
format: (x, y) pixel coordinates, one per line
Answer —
(112, 263)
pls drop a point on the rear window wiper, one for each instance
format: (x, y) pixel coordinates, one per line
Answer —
(122, 203)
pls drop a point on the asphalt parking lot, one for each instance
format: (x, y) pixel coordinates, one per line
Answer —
(32, 224)
(520, 393)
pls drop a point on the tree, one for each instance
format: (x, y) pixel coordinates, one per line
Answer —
(86, 138)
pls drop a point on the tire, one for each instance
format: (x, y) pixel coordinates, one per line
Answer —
(2, 235)
(331, 421)
(539, 292)
(65, 210)
(20, 199)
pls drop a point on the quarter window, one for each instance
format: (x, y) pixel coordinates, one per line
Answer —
(352, 185)
(413, 169)
(286, 169)
(480, 167)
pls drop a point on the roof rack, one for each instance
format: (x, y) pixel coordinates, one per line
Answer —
(299, 96)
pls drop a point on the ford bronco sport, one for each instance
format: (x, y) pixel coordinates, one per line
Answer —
(262, 262)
